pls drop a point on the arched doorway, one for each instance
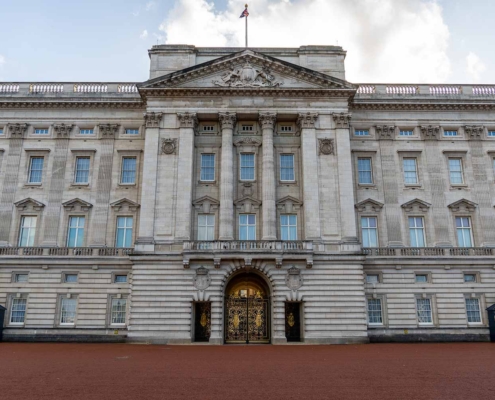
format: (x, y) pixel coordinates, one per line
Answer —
(247, 309)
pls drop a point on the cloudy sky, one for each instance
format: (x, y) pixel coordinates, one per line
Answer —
(409, 41)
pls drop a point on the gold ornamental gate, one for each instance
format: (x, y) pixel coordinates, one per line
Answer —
(247, 313)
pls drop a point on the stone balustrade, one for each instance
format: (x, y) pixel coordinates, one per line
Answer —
(249, 246)
(429, 252)
(66, 251)
(372, 89)
(70, 88)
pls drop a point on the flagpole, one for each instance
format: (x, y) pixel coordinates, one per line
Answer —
(247, 28)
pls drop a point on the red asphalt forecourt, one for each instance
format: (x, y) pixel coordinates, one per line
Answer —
(130, 371)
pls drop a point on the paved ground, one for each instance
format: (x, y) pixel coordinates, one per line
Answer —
(125, 371)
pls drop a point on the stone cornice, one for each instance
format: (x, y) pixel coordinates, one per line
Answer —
(399, 105)
(73, 104)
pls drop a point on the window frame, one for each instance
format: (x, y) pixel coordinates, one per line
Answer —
(281, 168)
(432, 311)
(451, 130)
(136, 132)
(30, 169)
(247, 225)
(77, 158)
(207, 226)
(115, 274)
(379, 278)
(37, 131)
(382, 311)
(121, 172)
(90, 132)
(111, 298)
(461, 162)
(203, 168)
(69, 219)
(375, 217)
(411, 130)
(372, 183)
(476, 277)
(416, 229)
(416, 171)
(34, 237)
(11, 300)
(422, 273)
(15, 274)
(73, 297)
(362, 135)
(288, 226)
(69, 273)
(479, 298)
(471, 230)
(245, 153)
(126, 228)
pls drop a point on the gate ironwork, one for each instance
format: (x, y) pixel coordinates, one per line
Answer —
(202, 326)
(247, 319)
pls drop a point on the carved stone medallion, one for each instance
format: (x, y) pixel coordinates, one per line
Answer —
(202, 279)
(248, 76)
(326, 146)
(169, 146)
(293, 279)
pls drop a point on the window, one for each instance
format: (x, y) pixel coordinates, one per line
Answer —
(410, 171)
(372, 278)
(406, 133)
(247, 128)
(86, 131)
(118, 311)
(421, 278)
(128, 170)
(21, 278)
(417, 231)
(132, 131)
(473, 311)
(208, 128)
(247, 167)
(124, 232)
(362, 132)
(375, 312)
(41, 131)
(470, 278)
(286, 167)
(207, 167)
(18, 311)
(285, 128)
(82, 170)
(369, 231)
(288, 227)
(70, 278)
(120, 279)
(365, 175)
(491, 133)
(449, 133)
(27, 231)
(1, 131)
(68, 311)
(206, 227)
(36, 169)
(424, 311)
(247, 227)
(455, 171)
(75, 236)
(464, 234)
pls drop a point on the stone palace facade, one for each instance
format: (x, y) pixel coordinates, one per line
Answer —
(246, 195)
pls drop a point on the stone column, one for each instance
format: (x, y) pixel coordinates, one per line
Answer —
(267, 121)
(11, 175)
(227, 122)
(99, 219)
(306, 123)
(185, 175)
(345, 184)
(53, 209)
(145, 240)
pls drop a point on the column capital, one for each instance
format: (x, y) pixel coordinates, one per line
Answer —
(430, 132)
(307, 120)
(62, 131)
(152, 119)
(227, 120)
(17, 130)
(108, 130)
(474, 132)
(188, 120)
(267, 120)
(385, 132)
(342, 120)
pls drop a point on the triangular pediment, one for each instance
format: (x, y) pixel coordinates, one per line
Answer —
(29, 203)
(463, 205)
(369, 205)
(247, 69)
(206, 204)
(289, 204)
(205, 199)
(416, 205)
(77, 204)
(119, 204)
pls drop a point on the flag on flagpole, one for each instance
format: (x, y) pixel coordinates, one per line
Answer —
(244, 13)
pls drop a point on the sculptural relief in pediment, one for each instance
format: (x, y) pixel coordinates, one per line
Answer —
(247, 75)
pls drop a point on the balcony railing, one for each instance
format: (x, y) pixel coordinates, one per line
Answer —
(379, 89)
(22, 89)
(428, 252)
(250, 245)
(66, 251)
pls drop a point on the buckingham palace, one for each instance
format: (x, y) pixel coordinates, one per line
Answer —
(246, 196)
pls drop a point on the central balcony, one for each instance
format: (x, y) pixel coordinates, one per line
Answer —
(259, 246)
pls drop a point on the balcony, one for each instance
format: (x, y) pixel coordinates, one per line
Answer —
(256, 246)
(429, 252)
(78, 252)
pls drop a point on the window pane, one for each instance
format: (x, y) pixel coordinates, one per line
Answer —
(68, 311)
(424, 311)
(71, 278)
(455, 170)
(422, 278)
(410, 172)
(375, 311)
(463, 227)
(288, 227)
(247, 167)
(207, 167)
(369, 232)
(82, 170)
(124, 232)
(372, 279)
(36, 169)
(118, 311)
(469, 278)
(364, 171)
(247, 227)
(287, 167)
(75, 237)
(473, 310)
(18, 311)
(416, 232)
(206, 227)
(120, 279)
(128, 170)
(27, 231)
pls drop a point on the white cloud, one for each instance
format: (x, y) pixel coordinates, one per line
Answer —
(150, 5)
(386, 40)
(2, 60)
(144, 34)
(474, 67)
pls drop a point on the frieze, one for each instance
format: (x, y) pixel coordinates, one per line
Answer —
(152, 119)
(307, 120)
(169, 146)
(72, 104)
(342, 120)
(247, 141)
(247, 75)
(326, 146)
(399, 106)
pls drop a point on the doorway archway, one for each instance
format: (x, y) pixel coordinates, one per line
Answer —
(247, 309)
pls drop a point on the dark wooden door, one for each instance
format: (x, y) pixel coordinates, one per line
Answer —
(202, 325)
(293, 322)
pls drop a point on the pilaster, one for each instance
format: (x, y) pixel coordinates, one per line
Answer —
(269, 232)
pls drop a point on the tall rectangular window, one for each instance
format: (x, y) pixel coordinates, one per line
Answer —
(36, 169)
(68, 309)
(82, 170)
(124, 232)
(247, 167)
(417, 231)
(18, 311)
(288, 226)
(369, 231)
(473, 311)
(361, 132)
(424, 311)
(206, 227)
(27, 231)
(75, 236)
(410, 171)
(365, 175)
(375, 312)
(118, 311)
(464, 232)
(128, 170)
(207, 167)
(286, 167)
(247, 227)
(455, 171)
